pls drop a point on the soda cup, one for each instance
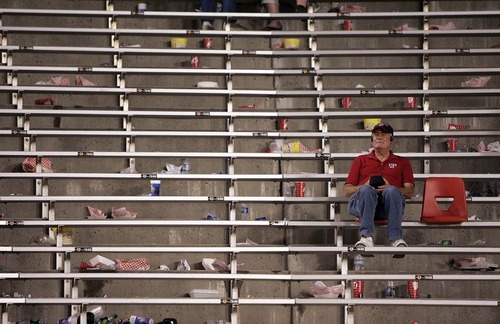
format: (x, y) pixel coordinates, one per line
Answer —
(358, 288)
(452, 145)
(411, 102)
(347, 25)
(155, 187)
(282, 124)
(141, 320)
(346, 102)
(300, 189)
(141, 7)
(207, 42)
(413, 288)
(195, 62)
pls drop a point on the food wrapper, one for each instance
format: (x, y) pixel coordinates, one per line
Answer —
(214, 264)
(133, 264)
(44, 101)
(95, 213)
(457, 127)
(29, 165)
(56, 80)
(449, 26)
(478, 82)
(81, 81)
(298, 147)
(403, 27)
(320, 290)
(122, 213)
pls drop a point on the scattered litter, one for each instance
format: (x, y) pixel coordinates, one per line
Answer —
(95, 213)
(44, 101)
(173, 168)
(403, 27)
(43, 240)
(183, 265)
(133, 264)
(163, 267)
(493, 147)
(450, 25)
(29, 165)
(477, 82)
(320, 290)
(101, 262)
(81, 81)
(129, 170)
(215, 264)
(56, 80)
(442, 242)
(205, 293)
(473, 218)
(122, 213)
(478, 263)
(248, 242)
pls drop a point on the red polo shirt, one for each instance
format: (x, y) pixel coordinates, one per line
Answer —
(395, 169)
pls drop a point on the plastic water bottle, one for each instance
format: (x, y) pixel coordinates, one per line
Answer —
(219, 6)
(359, 263)
(390, 291)
(244, 211)
(186, 167)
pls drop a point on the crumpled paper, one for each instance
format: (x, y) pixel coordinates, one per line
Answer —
(81, 81)
(450, 25)
(55, 80)
(403, 27)
(478, 263)
(492, 147)
(95, 213)
(293, 147)
(478, 82)
(122, 213)
(215, 264)
(183, 265)
(173, 168)
(320, 290)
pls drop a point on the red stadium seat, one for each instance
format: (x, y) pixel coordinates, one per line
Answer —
(436, 188)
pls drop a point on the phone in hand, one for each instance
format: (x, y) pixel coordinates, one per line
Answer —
(376, 181)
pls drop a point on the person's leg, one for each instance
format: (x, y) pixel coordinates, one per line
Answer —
(272, 6)
(229, 5)
(207, 6)
(394, 204)
(363, 204)
(301, 5)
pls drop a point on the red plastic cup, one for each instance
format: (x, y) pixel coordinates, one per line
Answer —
(195, 62)
(452, 145)
(282, 124)
(413, 288)
(300, 189)
(347, 25)
(346, 102)
(207, 42)
(358, 288)
(411, 102)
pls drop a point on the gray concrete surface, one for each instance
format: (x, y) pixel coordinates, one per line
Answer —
(258, 263)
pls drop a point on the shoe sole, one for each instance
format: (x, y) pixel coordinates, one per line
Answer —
(361, 250)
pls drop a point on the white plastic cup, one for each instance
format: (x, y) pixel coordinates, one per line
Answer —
(155, 187)
(141, 7)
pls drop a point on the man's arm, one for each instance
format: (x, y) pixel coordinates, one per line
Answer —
(350, 189)
(407, 190)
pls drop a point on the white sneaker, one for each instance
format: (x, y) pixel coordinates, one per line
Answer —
(366, 241)
(207, 26)
(398, 243)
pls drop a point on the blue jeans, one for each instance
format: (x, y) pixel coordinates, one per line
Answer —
(368, 206)
(227, 6)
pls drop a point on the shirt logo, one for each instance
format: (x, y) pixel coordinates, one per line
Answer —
(392, 165)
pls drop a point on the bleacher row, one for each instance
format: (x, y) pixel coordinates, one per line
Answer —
(144, 111)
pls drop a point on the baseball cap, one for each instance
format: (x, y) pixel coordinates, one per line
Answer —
(384, 127)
